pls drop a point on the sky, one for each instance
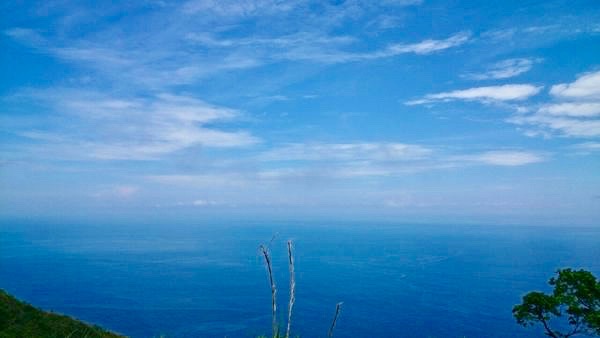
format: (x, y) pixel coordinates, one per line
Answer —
(398, 110)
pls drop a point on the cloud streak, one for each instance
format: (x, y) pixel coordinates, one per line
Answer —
(507, 158)
(510, 92)
(504, 69)
(352, 160)
(424, 47)
(316, 47)
(347, 151)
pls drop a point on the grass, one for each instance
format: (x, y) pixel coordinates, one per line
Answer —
(19, 319)
(264, 250)
(292, 288)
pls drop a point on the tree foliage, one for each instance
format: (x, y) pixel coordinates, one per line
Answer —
(575, 299)
(19, 319)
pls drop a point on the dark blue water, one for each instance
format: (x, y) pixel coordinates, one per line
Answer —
(209, 281)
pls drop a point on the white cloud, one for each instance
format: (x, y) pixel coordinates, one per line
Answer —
(335, 165)
(572, 109)
(555, 29)
(586, 86)
(566, 126)
(507, 158)
(587, 147)
(203, 203)
(355, 160)
(220, 179)
(321, 48)
(504, 69)
(337, 55)
(155, 66)
(235, 9)
(511, 92)
(194, 203)
(575, 113)
(25, 35)
(286, 41)
(347, 152)
(133, 128)
(429, 46)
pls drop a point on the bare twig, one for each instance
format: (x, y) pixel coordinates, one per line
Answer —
(265, 253)
(338, 307)
(292, 288)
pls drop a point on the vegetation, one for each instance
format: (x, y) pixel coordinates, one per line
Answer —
(575, 299)
(264, 250)
(19, 319)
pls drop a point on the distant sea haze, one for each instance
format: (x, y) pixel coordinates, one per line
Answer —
(208, 280)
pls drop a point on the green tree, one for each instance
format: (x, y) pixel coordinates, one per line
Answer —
(575, 299)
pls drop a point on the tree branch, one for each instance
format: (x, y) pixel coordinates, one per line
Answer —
(549, 332)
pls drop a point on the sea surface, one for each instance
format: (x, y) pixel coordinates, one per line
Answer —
(208, 279)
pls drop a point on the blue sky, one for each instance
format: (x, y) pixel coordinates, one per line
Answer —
(404, 110)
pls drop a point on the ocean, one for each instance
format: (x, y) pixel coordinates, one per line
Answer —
(208, 279)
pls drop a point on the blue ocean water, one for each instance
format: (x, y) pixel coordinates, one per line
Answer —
(208, 280)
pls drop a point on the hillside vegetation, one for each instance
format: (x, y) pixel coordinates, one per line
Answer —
(19, 319)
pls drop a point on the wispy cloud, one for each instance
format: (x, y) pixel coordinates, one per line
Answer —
(311, 163)
(137, 63)
(511, 92)
(587, 147)
(132, 128)
(504, 69)
(543, 125)
(236, 9)
(351, 160)
(210, 179)
(316, 47)
(196, 203)
(132, 107)
(333, 11)
(287, 41)
(26, 35)
(429, 46)
(347, 151)
(190, 42)
(339, 56)
(546, 31)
